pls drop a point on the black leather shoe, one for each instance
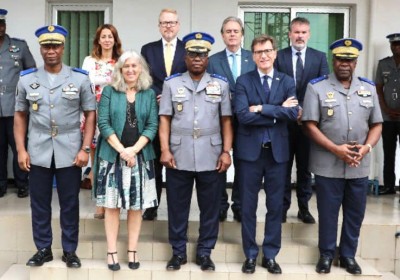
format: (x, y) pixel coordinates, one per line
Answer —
(175, 262)
(387, 191)
(205, 262)
(23, 192)
(237, 215)
(41, 256)
(249, 266)
(150, 214)
(3, 190)
(350, 264)
(324, 265)
(305, 216)
(71, 259)
(271, 265)
(222, 215)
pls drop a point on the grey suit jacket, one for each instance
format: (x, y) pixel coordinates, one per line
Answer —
(54, 113)
(218, 64)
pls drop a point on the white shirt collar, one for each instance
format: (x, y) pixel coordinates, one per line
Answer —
(270, 74)
(303, 51)
(173, 42)
(228, 52)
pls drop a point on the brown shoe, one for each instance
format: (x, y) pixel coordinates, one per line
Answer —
(86, 184)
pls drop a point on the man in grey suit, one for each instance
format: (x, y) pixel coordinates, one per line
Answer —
(54, 96)
(303, 64)
(14, 57)
(231, 63)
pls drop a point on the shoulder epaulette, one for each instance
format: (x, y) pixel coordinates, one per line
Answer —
(316, 80)
(219, 77)
(173, 76)
(366, 80)
(27, 71)
(80, 70)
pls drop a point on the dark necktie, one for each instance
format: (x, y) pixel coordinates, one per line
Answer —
(299, 70)
(267, 91)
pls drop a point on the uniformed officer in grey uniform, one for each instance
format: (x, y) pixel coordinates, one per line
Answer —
(388, 89)
(196, 137)
(54, 96)
(343, 119)
(14, 57)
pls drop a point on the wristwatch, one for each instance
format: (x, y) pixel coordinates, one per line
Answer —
(86, 149)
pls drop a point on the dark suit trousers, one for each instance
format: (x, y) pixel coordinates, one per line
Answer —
(390, 138)
(299, 147)
(41, 190)
(179, 194)
(7, 138)
(251, 175)
(332, 193)
(157, 169)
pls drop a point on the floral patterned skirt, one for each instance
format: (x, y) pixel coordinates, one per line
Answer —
(120, 186)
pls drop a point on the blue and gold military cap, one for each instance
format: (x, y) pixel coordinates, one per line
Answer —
(346, 48)
(52, 34)
(3, 14)
(395, 37)
(198, 42)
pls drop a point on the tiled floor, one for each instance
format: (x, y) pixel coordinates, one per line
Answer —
(383, 209)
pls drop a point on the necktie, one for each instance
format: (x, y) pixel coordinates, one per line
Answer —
(168, 58)
(299, 70)
(267, 91)
(234, 66)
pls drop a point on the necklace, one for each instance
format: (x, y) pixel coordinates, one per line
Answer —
(132, 123)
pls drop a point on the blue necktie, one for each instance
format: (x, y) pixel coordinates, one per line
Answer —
(267, 92)
(299, 70)
(234, 66)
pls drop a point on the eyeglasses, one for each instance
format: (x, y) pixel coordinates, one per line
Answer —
(170, 23)
(195, 54)
(266, 51)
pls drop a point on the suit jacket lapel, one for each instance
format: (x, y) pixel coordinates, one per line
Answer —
(223, 60)
(307, 64)
(257, 83)
(246, 62)
(288, 60)
(179, 52)
(274, 86)
(159, 53)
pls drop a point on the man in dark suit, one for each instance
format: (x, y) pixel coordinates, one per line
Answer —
(303, 64)
(265, 100)
(165, 57)
(231, 63)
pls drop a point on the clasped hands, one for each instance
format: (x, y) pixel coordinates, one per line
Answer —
(129, 155)
(352, 154)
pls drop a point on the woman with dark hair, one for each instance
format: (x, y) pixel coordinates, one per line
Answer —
(100, 65)
(124, 169)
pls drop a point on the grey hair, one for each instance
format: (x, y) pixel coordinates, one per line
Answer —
(144, 81)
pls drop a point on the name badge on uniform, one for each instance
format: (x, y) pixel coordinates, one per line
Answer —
(34, 94)
(330, 112)
(35, 106)
(213, 89)
(180, 92)
(179, 107)
(69, 89)
(363, 93)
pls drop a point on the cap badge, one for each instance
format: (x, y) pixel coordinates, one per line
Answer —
(50, 28)
(347, 43)
(198, 36)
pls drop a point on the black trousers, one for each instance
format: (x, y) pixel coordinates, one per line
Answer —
(390, 138)
(41, 190)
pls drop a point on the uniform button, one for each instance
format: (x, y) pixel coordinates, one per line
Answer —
(51, 91)
(350, 113)
(350, 128)
(1, 80)
(348, 97)
(195, 122)
(51, 106)
(53, 121)
(1, 67)
(196, 109)
(1, 93)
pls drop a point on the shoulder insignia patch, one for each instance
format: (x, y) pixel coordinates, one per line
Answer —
(319, 79)
(79, 70)
(219, 77)
(173, 76)
(28, 71)
(366, 80)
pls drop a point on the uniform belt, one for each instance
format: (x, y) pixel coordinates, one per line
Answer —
(266, 145)
(196, 132)
(54, 130)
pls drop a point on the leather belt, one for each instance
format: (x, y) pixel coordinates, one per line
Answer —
(54, 130)
(266, 145)
(195, 132)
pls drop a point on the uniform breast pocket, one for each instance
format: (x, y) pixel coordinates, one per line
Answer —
(366, 105)
(330, 110)
(180, 104)
(70, 100)
(212, 103)
(35, 101)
